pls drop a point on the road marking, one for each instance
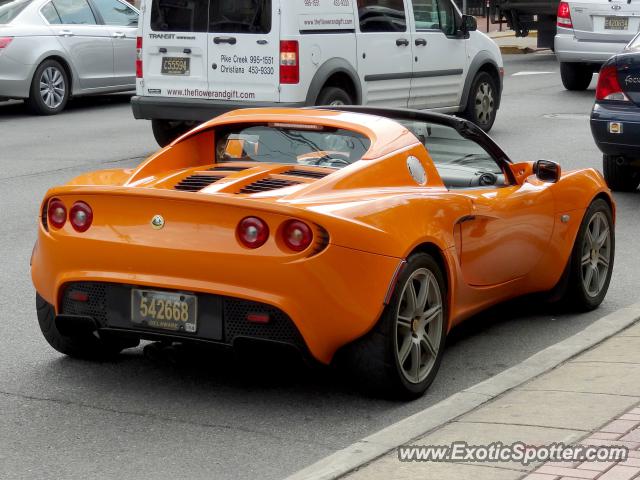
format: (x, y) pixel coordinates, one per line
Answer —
(518, 74)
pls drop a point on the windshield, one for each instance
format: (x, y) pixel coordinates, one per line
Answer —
(634, 44)
(9, 9)
(291, 144)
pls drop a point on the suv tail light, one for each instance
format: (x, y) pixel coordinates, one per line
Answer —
(139, 57)
(4, 42)
(564, 15)
(608, 87)
(289, 66)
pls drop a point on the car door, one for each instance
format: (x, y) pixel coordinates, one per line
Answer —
(244, 50)
(440, 55)
(509, 225)
(122, 22)
(385, 60)
(87, 43)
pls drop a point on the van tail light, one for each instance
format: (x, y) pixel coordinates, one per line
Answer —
(564, 15)
(297, 235)
(608, 87)
(289, 64)
(252, 232)
(4, 42)
(56, 213)
(139, 57)
(81, 216)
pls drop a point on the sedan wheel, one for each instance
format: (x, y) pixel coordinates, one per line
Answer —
(49, 89)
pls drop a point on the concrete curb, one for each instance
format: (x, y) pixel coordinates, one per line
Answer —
(421, 423)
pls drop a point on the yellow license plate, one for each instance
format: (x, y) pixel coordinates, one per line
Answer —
(177, 312)
(175, 66)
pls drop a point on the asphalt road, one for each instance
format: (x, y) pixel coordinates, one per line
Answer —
(209, 415)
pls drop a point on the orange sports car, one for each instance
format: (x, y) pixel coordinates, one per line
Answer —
(355, 234)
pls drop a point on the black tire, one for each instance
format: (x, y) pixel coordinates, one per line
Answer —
(166, 131)
(575, 76)
(59, 78)
(620, 178)
(576, 295)
(334, 96)
(85, 346)
(483, 101)
(372, 361)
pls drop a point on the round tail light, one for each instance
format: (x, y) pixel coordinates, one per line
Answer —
(252, 232)
(57, 213)
(297, 235)
(81, 216)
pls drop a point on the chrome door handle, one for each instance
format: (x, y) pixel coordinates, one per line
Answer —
(119, 35)
(65, 33)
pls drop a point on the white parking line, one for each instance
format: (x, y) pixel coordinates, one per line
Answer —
(530, 73)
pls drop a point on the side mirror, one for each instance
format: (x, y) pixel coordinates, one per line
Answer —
(469, 23)
(547, 171)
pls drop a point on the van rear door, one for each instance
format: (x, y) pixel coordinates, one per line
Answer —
(174, 48)
(244, 50)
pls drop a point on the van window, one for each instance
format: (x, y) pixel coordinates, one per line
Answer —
(382, 16)
(447, 17)
(240, 16)
(425, 13)
(74, 12)
(179, 15)
(117, 13)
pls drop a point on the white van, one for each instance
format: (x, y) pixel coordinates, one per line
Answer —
(200, 58)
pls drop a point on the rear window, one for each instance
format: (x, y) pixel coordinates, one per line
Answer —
(222, 16)
(291, 144)
(9, 9)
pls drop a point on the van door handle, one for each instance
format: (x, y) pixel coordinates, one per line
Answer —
(421, 42)
(229, 40)
(261, 42)
(402, 42)
(118, 35)
(66, 33)
(162, 50)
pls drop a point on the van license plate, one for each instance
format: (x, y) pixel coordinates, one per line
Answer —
(177, 312)
(616, 23)
(175, 66)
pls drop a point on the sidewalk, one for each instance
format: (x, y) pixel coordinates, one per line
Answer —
(592, 399)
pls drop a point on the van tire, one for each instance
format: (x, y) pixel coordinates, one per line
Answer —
(575, 76)
(482, 103)
(166, 131)
(334, 96)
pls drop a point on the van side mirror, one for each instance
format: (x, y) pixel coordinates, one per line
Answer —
(469, 23)
(547, 171)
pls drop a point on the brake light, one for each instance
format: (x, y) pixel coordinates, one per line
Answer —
(56, 213)
(564, 15)
(608, 87)
(81, 216)
(139, 57)
(289, 66)
(252, 232)
(296, 235)
(5, 41)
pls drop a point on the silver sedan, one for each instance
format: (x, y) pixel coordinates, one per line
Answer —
(53, 49)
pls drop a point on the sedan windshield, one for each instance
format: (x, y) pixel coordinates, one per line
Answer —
(9, 9)
(291, 144)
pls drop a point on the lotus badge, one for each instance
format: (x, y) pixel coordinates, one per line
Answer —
(157, 222)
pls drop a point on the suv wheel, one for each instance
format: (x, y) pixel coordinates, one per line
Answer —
(620, 177)
(575, 76)
(166, 131)
(482, 104)
(49, 90)
(334, 96)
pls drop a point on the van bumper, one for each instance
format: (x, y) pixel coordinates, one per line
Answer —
(193, 109)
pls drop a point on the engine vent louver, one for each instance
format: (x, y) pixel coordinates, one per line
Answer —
(266, 184)
(306, 173)
(195, 183)
(230, 168)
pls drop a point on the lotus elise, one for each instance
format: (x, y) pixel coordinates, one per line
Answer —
(357, 235)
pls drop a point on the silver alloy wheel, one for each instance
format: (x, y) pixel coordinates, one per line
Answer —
(484, 103)
(52, 87)
(596, 254)
(419, 325)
